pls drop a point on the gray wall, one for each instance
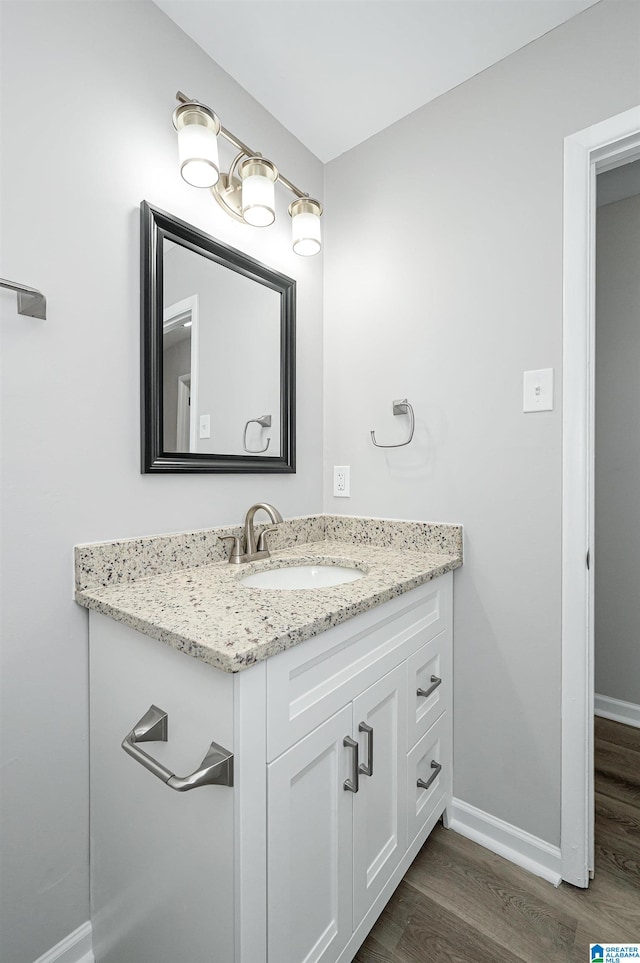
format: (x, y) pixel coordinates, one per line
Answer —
(617, 480)
(444, 241)
(87, 95)
(443, 283)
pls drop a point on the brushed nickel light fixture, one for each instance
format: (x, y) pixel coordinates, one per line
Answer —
(247, 191)
(198, 129)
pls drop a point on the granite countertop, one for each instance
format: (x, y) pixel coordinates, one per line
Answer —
(207, 613)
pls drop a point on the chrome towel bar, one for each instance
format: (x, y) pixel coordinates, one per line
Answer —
(216, 769)
(31, 302)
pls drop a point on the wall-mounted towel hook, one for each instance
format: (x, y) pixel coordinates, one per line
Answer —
(31, 303)
(265, 421)
(400, 407)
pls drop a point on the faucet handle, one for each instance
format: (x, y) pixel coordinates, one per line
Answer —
(263, 545)
(236, 548)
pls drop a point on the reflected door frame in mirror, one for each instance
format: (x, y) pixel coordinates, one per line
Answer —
(156, 226)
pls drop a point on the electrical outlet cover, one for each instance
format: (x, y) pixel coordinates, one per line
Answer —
(342, 481)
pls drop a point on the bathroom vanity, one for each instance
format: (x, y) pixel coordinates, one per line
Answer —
(335, 704)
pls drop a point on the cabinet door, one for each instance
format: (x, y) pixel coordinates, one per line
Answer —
(379, 808)
(310, 844)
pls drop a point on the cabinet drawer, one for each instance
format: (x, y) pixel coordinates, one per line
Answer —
(429, 671)
(434, 748)
(309, 682)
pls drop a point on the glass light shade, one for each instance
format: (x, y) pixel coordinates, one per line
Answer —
(305, 226)
(197, 129)
(258, 191)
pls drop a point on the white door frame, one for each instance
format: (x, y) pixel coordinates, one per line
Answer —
(183, 418)
(602, 147)
(184, 312)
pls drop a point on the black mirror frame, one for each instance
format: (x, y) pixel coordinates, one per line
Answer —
(156, 225)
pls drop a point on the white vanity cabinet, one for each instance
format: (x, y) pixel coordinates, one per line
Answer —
(335, 854)
(194, 876)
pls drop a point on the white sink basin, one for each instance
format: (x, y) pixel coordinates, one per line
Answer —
(302, 577)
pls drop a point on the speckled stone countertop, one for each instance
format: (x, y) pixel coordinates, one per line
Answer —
(185, 595)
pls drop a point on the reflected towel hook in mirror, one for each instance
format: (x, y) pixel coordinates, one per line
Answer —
(265, 421)
(400, 407)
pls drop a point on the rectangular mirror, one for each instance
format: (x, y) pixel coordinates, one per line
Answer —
(218, 355)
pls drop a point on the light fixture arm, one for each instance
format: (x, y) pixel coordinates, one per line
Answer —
(243, 148)
(234, 164)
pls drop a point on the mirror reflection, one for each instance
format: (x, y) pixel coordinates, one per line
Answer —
(220, 358)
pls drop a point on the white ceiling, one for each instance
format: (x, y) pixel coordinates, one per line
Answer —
(334, 72)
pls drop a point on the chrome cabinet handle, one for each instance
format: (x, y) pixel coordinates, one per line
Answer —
(427, 692)
(425, 785)
(216, 769)
(352, 784)
(367, 768)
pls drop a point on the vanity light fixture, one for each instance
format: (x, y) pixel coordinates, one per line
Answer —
(198, 129)
(305, 224)
(258, 178)
(247, 191)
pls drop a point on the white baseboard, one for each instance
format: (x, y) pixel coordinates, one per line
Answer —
(74, 948)
(626, 712)
(516, 845)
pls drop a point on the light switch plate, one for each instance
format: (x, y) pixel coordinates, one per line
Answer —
(538, 390)
(205, 426)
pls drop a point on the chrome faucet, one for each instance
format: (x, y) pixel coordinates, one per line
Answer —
(251, 551)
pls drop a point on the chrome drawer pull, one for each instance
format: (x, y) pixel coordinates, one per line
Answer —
(352, 784)
(216, 769)
(367, 768)
(434, 775)
(427, 692)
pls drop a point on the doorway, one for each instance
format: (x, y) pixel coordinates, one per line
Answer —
(617, 446)
(616, 554)
(596, 149)
(180, 368)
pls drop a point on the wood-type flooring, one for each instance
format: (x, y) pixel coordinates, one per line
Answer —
(460, 903)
